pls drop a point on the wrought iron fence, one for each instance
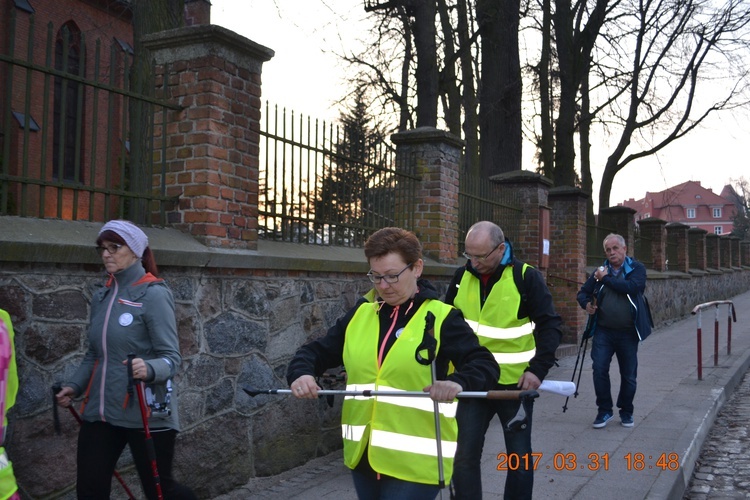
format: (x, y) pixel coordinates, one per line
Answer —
(693, 256)
(323, 184)
(594, 244)
(479, 199)
(327, 184)
(65, 129)
(672, 249)
(643, 249)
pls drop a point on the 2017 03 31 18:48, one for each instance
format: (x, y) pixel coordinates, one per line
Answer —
(592, 461)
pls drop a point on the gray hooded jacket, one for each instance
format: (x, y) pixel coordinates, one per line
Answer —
(134, 313)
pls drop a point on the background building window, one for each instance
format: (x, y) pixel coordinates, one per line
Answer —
(717, 213)
(67, 123)
(690, 213)
(717, 229)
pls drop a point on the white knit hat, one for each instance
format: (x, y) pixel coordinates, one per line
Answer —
(132, 234)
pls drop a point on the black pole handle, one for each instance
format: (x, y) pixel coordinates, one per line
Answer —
(55, 415)
(131, 380)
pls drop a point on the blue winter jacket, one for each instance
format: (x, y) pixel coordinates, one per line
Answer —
(633, 286)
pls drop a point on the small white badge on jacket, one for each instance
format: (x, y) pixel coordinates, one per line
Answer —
(126, 319)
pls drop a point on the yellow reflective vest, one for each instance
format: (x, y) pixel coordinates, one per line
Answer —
(397, 432)
(9, 373)
(509, 339)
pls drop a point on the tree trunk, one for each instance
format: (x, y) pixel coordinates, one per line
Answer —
(565, 127)
(469, 95)
(500, 100)
(587, 182)
(547, 144)
(424, 12)
(404, 117)
(448, 82)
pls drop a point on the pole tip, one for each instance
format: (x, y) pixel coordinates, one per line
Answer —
(251, 391)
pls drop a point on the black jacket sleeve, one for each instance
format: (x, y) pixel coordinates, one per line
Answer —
(547, 323)
(633, 284)
(450, 294)
(476, 368)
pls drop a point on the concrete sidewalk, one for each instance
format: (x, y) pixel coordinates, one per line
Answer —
(674, 412)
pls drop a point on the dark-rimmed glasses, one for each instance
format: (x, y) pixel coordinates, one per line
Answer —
(477, 258)
(112, 249)
(388, 278)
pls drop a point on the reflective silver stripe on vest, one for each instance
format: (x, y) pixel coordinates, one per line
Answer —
(4, 462)
(418, 403)
(493, 332)
(353, 432)
(511, 358)
(412, 444)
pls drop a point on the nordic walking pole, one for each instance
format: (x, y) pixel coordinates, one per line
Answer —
(587, 332)
(559, 387)
(430, 345)
(584, 340)
(55, 390)
(150, 450)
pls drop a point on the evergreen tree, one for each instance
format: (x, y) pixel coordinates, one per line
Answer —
(348, 199)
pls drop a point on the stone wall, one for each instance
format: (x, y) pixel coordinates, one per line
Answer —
(235, 329)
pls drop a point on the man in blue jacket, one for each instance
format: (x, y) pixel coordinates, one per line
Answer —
(614, 294)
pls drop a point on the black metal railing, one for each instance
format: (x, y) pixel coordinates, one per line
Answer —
(479, 199)
(595, 244)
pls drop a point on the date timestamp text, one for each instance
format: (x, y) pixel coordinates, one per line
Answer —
(592, 461)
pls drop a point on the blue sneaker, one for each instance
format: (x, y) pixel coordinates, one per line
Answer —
(601, 420)
(626, 420)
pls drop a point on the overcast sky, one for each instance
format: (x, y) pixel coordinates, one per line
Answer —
(305, 76)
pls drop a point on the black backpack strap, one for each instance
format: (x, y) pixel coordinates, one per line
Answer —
(520, 286)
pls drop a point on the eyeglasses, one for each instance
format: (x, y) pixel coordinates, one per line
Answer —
(388, 278)
(112, 249)
(477, 258)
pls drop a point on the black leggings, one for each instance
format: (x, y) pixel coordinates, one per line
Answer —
(100, 446)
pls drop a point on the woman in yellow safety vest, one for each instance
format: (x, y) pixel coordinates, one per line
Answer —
(390, 443)
(9, 389)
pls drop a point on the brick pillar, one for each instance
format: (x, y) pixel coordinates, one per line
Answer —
(713, 255)
(567, 265)
(622, 220)
(197, 12)
(652, 246)
(677, 238)
(533, 193)
(433, 156)
(725, 246)
(213, 143)
(697, 243)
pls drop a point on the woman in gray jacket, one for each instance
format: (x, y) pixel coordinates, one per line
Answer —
(133, 313)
